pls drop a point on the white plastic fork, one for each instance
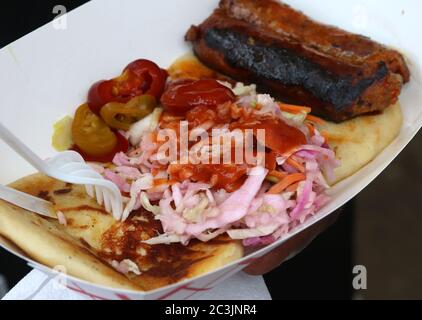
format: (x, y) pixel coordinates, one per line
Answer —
(28, 202)
(69, 166)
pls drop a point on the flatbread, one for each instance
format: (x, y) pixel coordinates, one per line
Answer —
(356, 142)
(92, 239)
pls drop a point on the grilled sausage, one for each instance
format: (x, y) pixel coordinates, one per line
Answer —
(339, 74)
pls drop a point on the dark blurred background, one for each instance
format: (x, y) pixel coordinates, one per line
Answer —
(379, 229)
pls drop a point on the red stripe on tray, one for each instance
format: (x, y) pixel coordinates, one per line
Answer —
(78, 289)
(185, 287)
(122, 296)
(211, 284)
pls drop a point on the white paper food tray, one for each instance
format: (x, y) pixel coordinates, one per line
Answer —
(46, 74)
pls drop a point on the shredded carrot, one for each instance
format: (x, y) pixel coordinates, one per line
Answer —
(311, 128)
(159, 182)
(314, 119)
(295, 164)
(294, 109)
(286, 182)
(154, 136)
(293, 187)
(154, 171)
(277, 174)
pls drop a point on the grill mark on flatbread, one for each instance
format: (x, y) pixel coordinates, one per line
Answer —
(35, 223)
(44, 195)
(171, 262)
(84, 207)
(62, 191)
(71, 223)
(124, 241)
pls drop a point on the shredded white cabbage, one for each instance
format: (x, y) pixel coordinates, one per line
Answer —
(147, 205)
(143, 183)
(243, 90)
(149, 123)
(298, 118)
(163, 239)
(126, 266)
(240, 234)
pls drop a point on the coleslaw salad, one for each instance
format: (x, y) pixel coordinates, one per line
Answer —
(263, 208)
